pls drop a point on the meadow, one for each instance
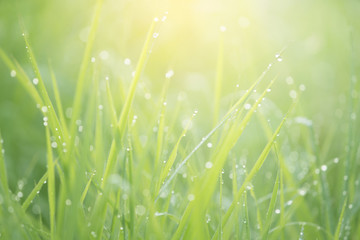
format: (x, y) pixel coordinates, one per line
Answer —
(194, 119)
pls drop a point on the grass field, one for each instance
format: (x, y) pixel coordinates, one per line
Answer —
(185, 119)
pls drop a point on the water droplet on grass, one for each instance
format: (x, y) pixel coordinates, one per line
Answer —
(54, 145)
(104, 55)
(208, 164)
(302, 87)
(127, 61)
(209, 145)
(155, 35)
(293, 94)
(13, 73)
(323, 168)
(277, 211)
(140, 210)
(35, 81)
(191, 197)
(169, 74)
(278, 58)
(68, 202)
(289, 80)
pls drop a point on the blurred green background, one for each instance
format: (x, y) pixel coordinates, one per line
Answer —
(320, 37)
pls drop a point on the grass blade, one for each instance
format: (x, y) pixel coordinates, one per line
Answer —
(271, 208)
(338, 227)
(51, 184)
(3, 176)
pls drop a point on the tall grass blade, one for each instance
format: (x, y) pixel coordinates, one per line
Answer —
(51, 184)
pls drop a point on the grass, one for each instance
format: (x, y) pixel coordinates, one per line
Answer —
(129, 158)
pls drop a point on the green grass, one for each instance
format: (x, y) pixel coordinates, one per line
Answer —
(229, 145)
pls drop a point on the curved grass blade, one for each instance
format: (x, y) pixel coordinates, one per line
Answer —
(121, 126)
(59, 106)
(22, 77)
(80, 87)
(35, 191)
(254, 170)
(51, 184)
(271, 208)
(3, 176)
(338, 227)
(230, 113)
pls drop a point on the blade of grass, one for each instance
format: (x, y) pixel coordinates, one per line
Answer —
(254, 170)
(271, 208)
(59, 106)
(35, 191)
(80, 87)
(51, 184)
(3, 176)
(339, 225)
(121, 126)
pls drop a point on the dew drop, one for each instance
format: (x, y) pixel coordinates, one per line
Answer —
(127, 61)
(68, 202)
(293, 94)
(13, 73)
(191, 197)
(44, 109)
(208, 164)
(54, 145)
(155, 35)
(140, 210)
(169, 74)
(323, 168)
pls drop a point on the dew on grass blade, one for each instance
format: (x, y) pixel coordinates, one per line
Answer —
(208, 164)
(104, 55)
(169, 74)
(13, 73)
(191, 197)
(35, 81)
(278, 58)
(44, 109)
(155, 35)
(127, 61)
(54, 145)
(289, 80)
(323, 168)
(293, 94)
(140, 210)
